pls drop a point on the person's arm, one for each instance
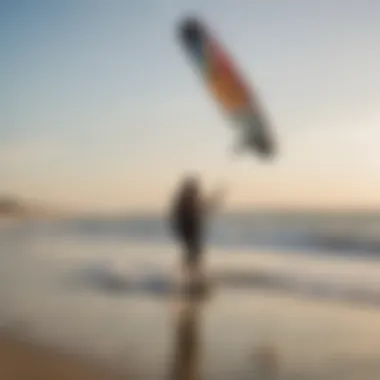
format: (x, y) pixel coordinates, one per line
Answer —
(213, 203)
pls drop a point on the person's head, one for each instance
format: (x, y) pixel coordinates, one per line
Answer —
(191, 185)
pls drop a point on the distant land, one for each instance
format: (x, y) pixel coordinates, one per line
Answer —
(14, 207)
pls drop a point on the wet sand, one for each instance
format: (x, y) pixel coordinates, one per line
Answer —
(25, 360)
(72, 295)
(233, 335)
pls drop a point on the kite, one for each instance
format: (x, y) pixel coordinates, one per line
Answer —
(225, 83)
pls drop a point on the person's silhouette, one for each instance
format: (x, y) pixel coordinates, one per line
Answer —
(188, 214)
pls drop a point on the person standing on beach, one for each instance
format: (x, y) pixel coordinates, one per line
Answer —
(188, 215)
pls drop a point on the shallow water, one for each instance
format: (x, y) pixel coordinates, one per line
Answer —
(270, 314)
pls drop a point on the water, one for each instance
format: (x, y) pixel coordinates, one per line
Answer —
(348, 234)
(323, 254)
(103, 287)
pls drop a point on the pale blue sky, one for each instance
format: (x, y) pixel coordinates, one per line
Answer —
(99, 107)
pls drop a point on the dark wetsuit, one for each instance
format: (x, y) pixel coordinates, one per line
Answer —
(187, 223)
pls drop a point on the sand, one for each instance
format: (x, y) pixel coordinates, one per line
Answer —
(62, 293)
(23, 360)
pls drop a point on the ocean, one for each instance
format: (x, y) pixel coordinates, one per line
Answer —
(335, 233)
(103, 287)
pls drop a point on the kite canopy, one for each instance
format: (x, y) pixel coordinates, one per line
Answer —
(225, 83)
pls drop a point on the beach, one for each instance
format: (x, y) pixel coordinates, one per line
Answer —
(241, 336)
(81, 303)
(23, 360)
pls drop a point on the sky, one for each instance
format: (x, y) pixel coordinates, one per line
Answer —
(100, 109)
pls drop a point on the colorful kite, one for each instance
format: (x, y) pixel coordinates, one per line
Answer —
(228, 87)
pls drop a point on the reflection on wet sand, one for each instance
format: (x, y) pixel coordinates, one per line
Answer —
(186, 365)
(187, 353)
(266, 362)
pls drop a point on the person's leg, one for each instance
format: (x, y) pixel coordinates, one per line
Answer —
(195, 260)
(192, 255)
(186, 261)
(188, 258)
